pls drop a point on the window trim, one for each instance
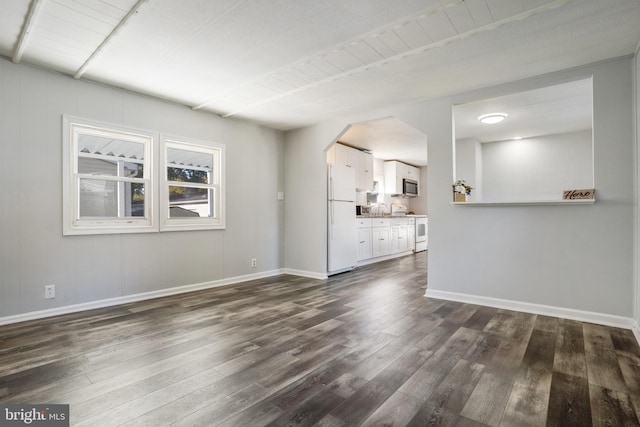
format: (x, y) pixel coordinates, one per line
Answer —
(218, 221)
(72, 223)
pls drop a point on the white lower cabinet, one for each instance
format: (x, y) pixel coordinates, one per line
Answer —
(402, 235)
(379, 237)
(363, 235)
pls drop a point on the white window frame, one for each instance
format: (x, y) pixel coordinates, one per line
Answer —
(217, 185)
(73, 224)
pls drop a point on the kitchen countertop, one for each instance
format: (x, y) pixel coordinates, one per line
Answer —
(391, 216)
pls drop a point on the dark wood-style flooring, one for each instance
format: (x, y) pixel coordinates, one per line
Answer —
(362, 348)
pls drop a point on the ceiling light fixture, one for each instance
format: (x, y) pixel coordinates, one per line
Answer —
(492, 118)
(517, 138)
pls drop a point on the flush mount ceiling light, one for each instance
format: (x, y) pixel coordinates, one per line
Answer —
(492, 118)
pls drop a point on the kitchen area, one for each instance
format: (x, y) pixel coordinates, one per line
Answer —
(376, 198)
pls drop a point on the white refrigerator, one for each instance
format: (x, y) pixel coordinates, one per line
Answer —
(341, 216)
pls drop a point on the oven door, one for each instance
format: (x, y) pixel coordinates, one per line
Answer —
(422, 231)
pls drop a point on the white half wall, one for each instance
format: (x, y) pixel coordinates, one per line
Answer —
(573, 257)
(86, 269)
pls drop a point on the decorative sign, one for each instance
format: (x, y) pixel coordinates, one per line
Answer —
(588, 193)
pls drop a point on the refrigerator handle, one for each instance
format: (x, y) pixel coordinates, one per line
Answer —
(330, 188)
(332, 218)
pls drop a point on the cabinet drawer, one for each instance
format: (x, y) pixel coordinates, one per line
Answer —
(363, 222)
(380, 222)
(402, 221)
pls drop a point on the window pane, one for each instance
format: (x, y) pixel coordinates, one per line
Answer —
(135, 201)
(98, 198)
(110, 167)
(189, 166)
(100, 145)
(190, 202)
(187, 175)
(111, 199)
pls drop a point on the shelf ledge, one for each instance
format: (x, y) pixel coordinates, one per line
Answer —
(529, 203)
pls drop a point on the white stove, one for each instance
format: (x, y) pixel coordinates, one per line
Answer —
(421, 224)
(422, 232)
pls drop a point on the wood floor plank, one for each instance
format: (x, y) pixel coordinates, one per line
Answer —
(445, 403)
(489, 398)
(369, 397)
(427, 378)
(225, 408)
(625, 344)
(569, 404)
(528, 401)
(570, 352)
(310, 411)
(602, 360)
(397, 410)
(611, 408)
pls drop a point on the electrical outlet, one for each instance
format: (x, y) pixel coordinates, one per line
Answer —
(50, 291)
(254, 263)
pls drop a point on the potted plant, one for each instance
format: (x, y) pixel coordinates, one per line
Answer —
(461, 190)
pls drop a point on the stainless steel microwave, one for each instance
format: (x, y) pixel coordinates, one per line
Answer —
(409, 187)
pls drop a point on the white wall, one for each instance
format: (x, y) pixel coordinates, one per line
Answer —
(419, 205)
(33, 252)
(575, 257)
(539, 168)
(469, 166)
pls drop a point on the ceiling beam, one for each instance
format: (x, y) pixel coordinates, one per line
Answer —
(108, 39)
(34, 8)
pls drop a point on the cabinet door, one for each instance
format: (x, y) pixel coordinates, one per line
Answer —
(380, 239)
(403, 242)
(365, 172)
(365, 247)
(394, 246)
(411, 237)
(412, 173)
(350, 157)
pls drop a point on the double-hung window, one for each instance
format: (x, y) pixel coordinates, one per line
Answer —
(108, 185)
(191, 194)
(115, 182)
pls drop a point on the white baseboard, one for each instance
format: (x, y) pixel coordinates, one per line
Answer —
(135, 297)
(547, 310)
(303, 273)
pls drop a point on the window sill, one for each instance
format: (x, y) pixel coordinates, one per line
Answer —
(529, 203)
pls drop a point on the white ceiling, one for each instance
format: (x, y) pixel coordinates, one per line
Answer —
(389, 139)
(557, 109)
(290, 63)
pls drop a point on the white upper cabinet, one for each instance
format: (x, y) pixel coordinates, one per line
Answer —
(364, 176)
(350, 157)
(395, 172)
(359, 161)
